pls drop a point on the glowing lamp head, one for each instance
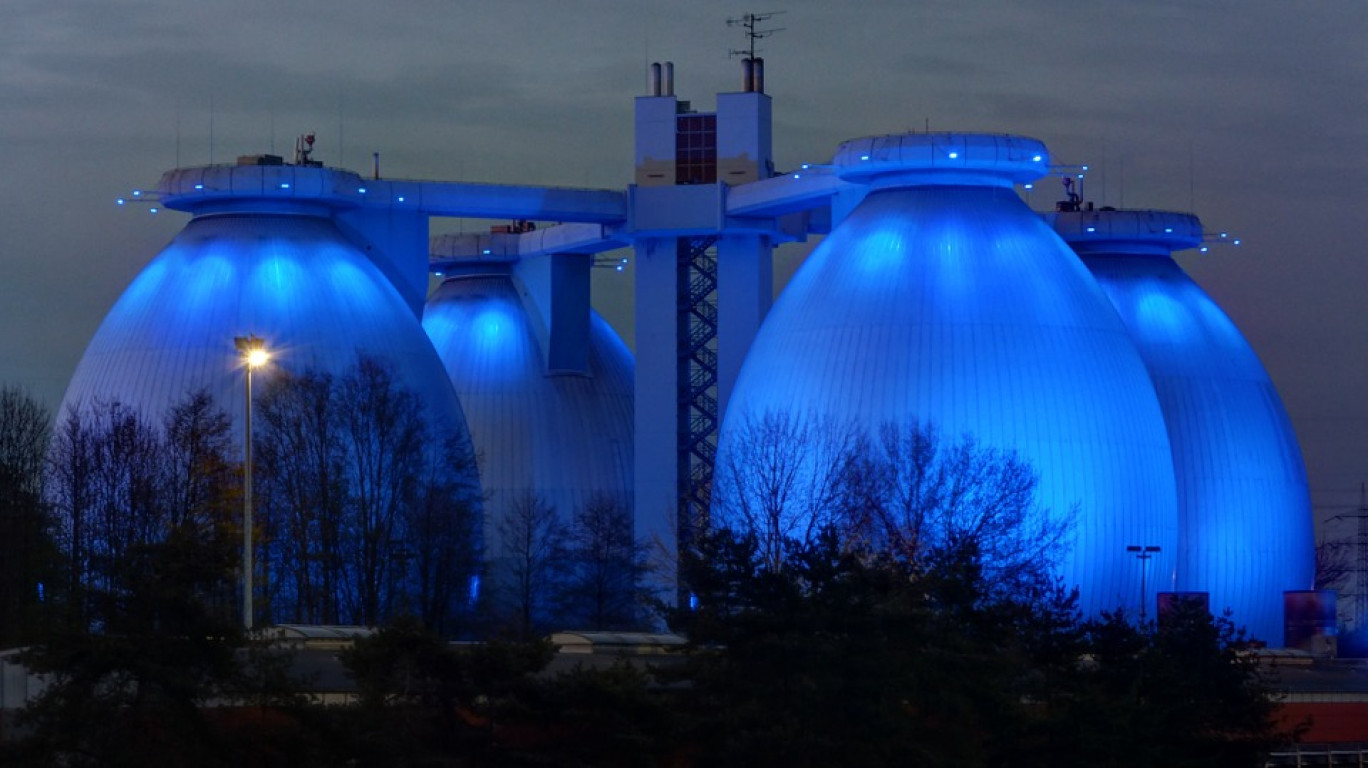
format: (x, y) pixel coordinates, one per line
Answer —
(253, 349)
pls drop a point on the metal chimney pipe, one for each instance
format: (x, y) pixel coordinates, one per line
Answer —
(375, 165)
(748, 75)
(759, 75)
(653, 84)
(669, 78)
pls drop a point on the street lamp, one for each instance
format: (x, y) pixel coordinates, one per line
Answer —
(1143, 554)
(254, 354)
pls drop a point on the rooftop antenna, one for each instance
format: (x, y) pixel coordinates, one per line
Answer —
(750, 22)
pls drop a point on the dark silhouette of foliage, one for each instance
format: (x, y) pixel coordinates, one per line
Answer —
(367, 508)
(27, 550)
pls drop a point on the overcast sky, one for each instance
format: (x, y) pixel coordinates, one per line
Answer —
(1250, 113)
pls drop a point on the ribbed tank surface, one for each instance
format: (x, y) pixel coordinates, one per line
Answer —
(565, 437)
(1245, 514)
(955, 305)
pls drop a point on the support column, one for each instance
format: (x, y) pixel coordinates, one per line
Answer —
(745, 287)
(556, 293)
(656, 421)
(397, 243)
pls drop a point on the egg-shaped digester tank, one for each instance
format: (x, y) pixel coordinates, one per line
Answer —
(276, 268)
(943, 299)
(1245, 522)
(290, 278)
(564, 437)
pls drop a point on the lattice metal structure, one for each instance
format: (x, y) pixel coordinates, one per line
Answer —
(697, 346)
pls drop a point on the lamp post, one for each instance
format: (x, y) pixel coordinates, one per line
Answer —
(254, 355)
(1143, 554)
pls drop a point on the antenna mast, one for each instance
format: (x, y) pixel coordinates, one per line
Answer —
(750, 22)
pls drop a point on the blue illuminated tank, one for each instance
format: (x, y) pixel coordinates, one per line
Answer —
(264, 257)
(943, 298)
(1244, 506)
(565, 436)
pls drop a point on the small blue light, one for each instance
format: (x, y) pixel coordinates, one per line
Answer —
(120, 201)
(486, 252)
(439, 274)
(954, 155)
(360, 190)
(284, 185)
(624, 259)
(199, 186)
(1204, 249)
(797, 176)
(1168, 230)
(1237, 241)
(1080, 175)
(152, 210)
(618, 267)
(1085, 168)
(1092, 229)
(137, 193)
(864, 157)
(693, 602)
(1225, 235)
(401, 198)
(1030, 186)
(1037, 159)
(806, 166)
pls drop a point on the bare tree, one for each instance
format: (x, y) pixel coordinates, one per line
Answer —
(26, 548)
(119, 484)
(106, 476)
(201, 467)
(530, 570)
(933, 503)
(605, 565)
(383, 433)
(444, 535)
(779, 477)
(302, 493)
(903, 490)
(370, 509)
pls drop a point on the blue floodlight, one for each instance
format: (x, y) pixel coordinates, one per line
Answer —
(954, 155)
(1037, 158)
(360, 190)
(1092, 229)
(120, 201)
(401, 198)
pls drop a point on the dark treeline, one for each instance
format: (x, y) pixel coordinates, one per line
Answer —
(365, 509)
(891, 604)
